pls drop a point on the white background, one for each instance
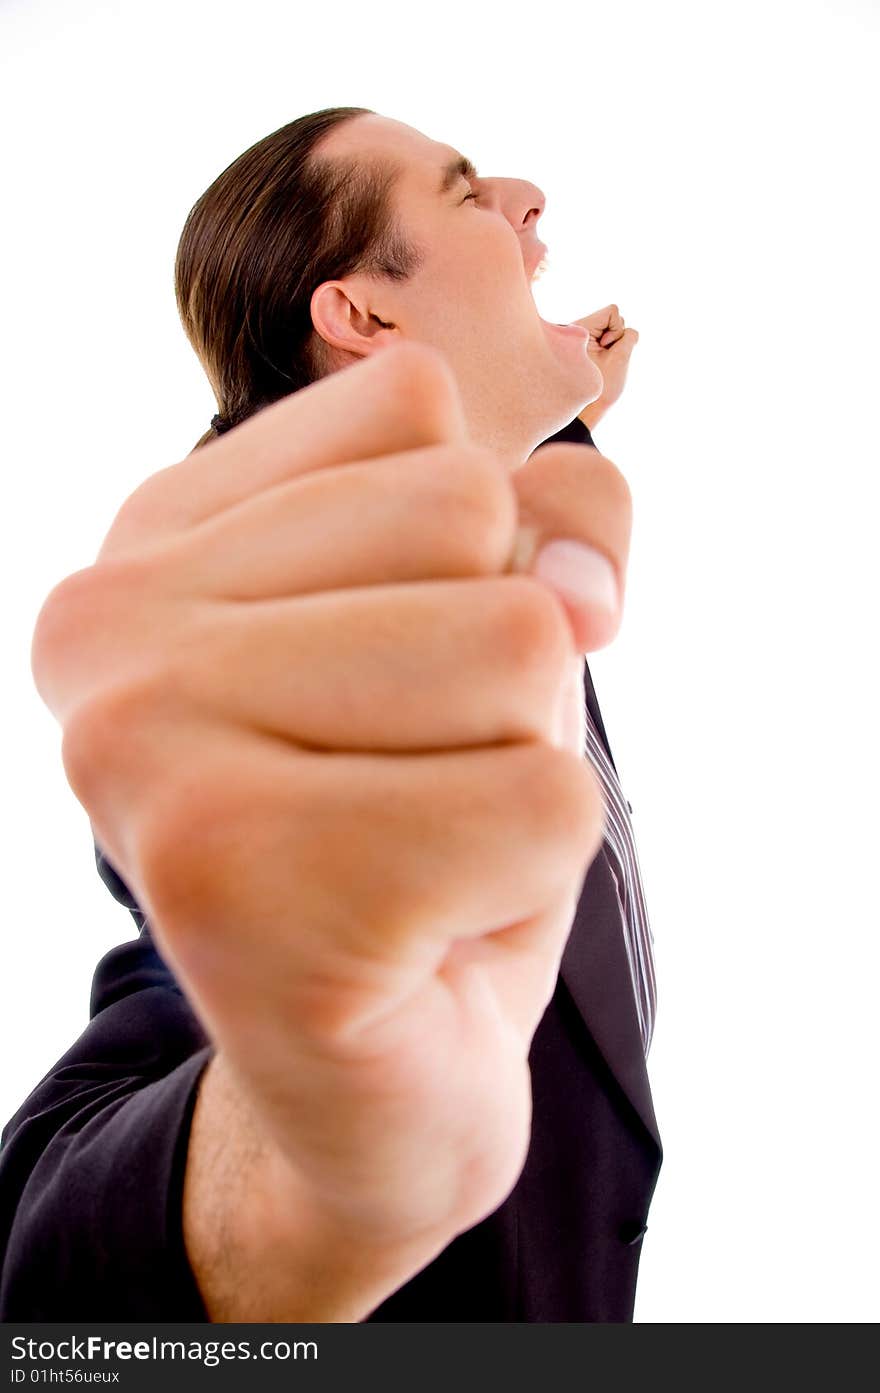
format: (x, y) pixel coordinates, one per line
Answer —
(712, 169)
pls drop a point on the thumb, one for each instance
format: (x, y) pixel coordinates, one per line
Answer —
(627, 341)
(575, 520)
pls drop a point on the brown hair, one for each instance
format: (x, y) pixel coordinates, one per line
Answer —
(273, 226)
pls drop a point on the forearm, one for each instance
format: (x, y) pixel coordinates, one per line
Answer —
(259, 1246)
(91, 1168)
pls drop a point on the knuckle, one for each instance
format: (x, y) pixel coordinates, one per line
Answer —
(88, 608)
(421, 385)
(84, 749)
(66, 608)
(533, 632)
(220, 836)
(476, 512)
(103, 730)
(190, 844)
(566, 801)
(85, 745)
(134, 523)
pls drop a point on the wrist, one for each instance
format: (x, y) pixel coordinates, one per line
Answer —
(262, 1245)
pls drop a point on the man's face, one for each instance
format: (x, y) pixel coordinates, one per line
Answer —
(520, 377)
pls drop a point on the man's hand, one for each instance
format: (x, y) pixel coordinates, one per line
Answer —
(315, 722)
(610, 347)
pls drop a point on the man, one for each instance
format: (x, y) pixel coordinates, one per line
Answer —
(410, 1088)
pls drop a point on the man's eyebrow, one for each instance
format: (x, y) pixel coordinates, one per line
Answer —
(460, 167)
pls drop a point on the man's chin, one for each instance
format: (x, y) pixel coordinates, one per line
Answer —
(568, 343)
(569, 331)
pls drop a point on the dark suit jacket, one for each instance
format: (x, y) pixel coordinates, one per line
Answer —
(92, 1164)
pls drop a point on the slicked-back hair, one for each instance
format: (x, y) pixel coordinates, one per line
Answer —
(275, 224)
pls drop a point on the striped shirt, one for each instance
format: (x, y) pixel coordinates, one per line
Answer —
(620, 847)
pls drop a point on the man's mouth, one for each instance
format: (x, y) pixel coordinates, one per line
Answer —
(539, 270)
(574, 330)
(536, 262)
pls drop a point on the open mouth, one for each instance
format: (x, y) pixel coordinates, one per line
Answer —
(539, 270)
(573, 330)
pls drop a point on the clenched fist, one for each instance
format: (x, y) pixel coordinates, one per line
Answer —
(321, 726)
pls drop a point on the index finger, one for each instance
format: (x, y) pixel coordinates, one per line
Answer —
(614, 328)
(401, 398)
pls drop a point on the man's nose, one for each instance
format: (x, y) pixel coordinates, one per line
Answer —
(520, 201)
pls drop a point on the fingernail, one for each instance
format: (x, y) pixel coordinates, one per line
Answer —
(582, 574)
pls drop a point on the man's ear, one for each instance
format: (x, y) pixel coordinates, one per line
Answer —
(341, 316)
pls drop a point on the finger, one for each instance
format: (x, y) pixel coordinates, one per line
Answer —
(520, 824)
(328, 671)
(626, 340)
(614, 329)
(439, 512)
(402, 398)
(522, 959)
(273, 550)
(572, 494)
(615, 319)
(606, 320)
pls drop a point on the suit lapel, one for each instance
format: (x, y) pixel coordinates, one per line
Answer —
(592, 703)
(595, 970)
